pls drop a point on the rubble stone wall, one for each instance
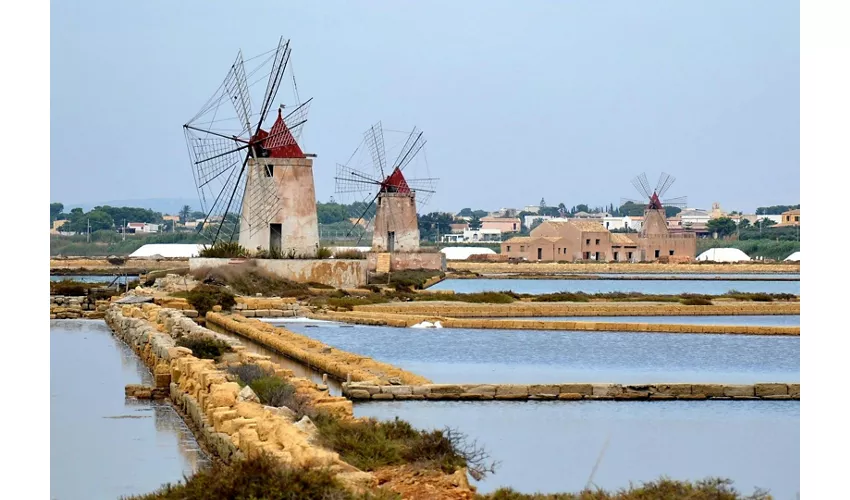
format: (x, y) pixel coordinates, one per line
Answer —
(571, 392)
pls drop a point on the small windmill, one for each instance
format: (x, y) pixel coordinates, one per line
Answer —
(655, 220)
(395, 225)
(233, 155)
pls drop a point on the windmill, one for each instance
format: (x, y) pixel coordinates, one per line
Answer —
(254, 181)
(395, 225)
(655, 220)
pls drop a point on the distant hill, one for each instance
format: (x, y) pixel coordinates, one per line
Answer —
(164, 205)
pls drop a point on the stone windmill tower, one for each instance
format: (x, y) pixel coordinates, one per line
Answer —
(395, 226)
(654, 216)
(255, 184)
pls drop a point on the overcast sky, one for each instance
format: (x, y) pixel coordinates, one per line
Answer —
(562, 100)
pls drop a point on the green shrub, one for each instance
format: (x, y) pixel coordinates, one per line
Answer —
(347, 303)
(72, 288)
(204, 297)
(261, 478)
(204, 347)
(323, 253)
(248, 279)
(247, 372)
(371, 444)
(409, 278)
(350, 254)
(224, 250)
(562, 297)
(273, 391)
(504, 297)
(666, 489)
(696, 301)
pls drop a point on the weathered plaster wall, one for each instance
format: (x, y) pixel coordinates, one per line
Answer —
(396, 212)
(400, 261)
(339, 273)
(292, 180)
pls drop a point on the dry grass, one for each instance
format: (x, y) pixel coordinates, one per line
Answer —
(249, 279)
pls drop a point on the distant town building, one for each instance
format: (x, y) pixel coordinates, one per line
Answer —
(473, 236)
(789, 218)
(529, 220)
(503, 224)
(56, 225)
(459, 227)
(143, 227)
(531, 208)
(171, 218)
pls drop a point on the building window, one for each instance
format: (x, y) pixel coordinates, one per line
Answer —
(657, 253)
(671, 252)
(514, 223)
(597, 241)
(796, 218)
(616, 255)
(522, 248)
(269, 170)
(629, 255)
(587, 255)
(509, 248)
(587, 242)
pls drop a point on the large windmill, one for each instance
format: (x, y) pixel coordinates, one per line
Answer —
(655, 220)
(254, 182)
(395, 226)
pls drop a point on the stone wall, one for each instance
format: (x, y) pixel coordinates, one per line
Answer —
(338, 273)
(272, 307)
(71, 307)
(407, 320)
(336, 363)
(231, 425)
(400, 261)
(571, 392)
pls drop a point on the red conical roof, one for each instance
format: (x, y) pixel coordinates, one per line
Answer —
(395, 183)
(280, 143)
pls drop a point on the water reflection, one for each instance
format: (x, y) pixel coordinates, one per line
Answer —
(456, 355)
(299, 369)
(97, 448)
(552, 446)
(534, 286)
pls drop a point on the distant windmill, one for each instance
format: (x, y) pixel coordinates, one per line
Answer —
(655, 220)
(395, 225)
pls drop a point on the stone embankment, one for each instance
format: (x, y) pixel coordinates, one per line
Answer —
(572, 392)
(230, 423)
(72, 307)
(98, 265)
(321, 357)
(522, 309)
(273, 307)
(408, 320)
(601, 267)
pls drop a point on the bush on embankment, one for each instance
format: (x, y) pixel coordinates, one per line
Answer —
(224, 250)
(504, 297)
(662, 489)
(371, 444)
(260, 478)
(407, 279)
(204, 297)
(204, 347)
(249, 279)
(272, 390)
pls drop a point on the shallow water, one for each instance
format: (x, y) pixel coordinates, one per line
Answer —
(92, 278)
(101, 445)
(755, 320)
(533, 286)
(753, 276)
(299, 369)
(553, 446)
(456, 355)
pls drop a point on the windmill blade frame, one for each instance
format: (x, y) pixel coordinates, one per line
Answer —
(664, 183)
(375, 141)
(642, 185)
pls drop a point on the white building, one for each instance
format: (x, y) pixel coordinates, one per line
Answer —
(528, 220)
(143, 227)
(693, 216)
(531, 208)
(620, 223)
(463, 253)
(473, 236)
